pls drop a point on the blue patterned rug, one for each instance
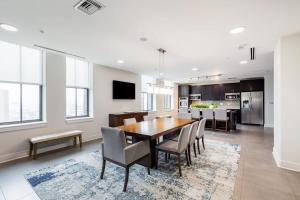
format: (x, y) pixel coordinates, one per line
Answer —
(211, 176)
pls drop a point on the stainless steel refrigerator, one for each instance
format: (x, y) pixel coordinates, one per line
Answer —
(252, 105)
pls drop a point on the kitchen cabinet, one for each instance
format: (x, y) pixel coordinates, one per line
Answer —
(232, 88)
(184, 90)
(215, 92)
(252, 85)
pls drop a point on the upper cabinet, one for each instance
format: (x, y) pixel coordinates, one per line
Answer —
(252, 85)
(184, 90)
(214, 92)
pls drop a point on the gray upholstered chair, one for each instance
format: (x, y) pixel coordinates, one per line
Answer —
(174, 147)
(221, 116)
(116, 150)
(195, 113)
(192, 139)
(200, 133)
(208, 114)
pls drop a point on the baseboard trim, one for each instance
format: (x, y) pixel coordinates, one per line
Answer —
(285, 164)
(23, 154)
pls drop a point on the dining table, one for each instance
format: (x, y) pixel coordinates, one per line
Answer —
(152, 130)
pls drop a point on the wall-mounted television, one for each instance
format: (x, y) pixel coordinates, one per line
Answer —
(123, 90)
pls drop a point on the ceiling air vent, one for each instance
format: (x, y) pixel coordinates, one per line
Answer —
(252, 53)
(88, 6)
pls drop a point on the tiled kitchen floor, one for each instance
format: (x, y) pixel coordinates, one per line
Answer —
(258, 176)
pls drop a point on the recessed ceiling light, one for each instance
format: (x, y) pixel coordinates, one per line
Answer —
(238, 30)
(143, 39)
(120, 61)
(244, 62)
(195, 69)
(8, 27)
(161, 74)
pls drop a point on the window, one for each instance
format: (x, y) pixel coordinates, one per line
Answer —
(77, 90)
(21, 85)
(168, 102)
(148, 101)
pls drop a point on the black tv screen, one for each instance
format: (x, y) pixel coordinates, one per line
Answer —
(123, 90)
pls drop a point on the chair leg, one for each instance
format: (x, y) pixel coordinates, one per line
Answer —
(187, 158)
(149, 163)
(169, 156)
(198, 144)
(189, 152)
(103, 168)
(203, 142)
(179, 164)
(156, 158)
(194, 145)
(126, 178)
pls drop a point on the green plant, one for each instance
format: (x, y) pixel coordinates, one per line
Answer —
(201, 105)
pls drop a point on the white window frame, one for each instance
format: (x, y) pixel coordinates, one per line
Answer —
(27, 124)
(152, 105)
(168, 102)
(89, 116)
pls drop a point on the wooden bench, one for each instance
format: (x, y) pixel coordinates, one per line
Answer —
(54, 137)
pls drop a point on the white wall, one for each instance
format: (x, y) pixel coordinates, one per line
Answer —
(269, 100)
(286, 98)
(14, 144)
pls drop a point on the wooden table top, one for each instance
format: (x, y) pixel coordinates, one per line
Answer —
(155, 128)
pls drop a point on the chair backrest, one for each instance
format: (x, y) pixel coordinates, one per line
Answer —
(220, 114)
(183, 139)
(148, 117)
(184, 115)
(208, 113)
(129, 121)
(193, 133)
(114, 142)
(195, 113)
(201, 128)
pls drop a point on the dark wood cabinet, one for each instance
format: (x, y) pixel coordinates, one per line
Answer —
(215, 92)
(117, 119)
(232, 88)
(184, 90)
(252, 85)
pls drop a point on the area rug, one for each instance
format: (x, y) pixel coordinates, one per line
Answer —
(211, 176)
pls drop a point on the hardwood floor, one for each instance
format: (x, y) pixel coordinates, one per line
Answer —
(258, 176)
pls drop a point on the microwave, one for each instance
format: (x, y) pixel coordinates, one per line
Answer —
(195, 97)
(232, 96)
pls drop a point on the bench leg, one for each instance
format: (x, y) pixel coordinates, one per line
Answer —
(30, 149)
(80, 141)
(75, 141)
(34, 151)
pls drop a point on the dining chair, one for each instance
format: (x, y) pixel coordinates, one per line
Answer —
(192, 139)
(174, 147)
(129, 121)
(208, 114)
(221, 116)
(148, 117)
(195, 113)
(200, 134)
(183, 115)
(115, 150)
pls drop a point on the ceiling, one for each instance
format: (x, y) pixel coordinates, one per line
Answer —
(195, 33)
